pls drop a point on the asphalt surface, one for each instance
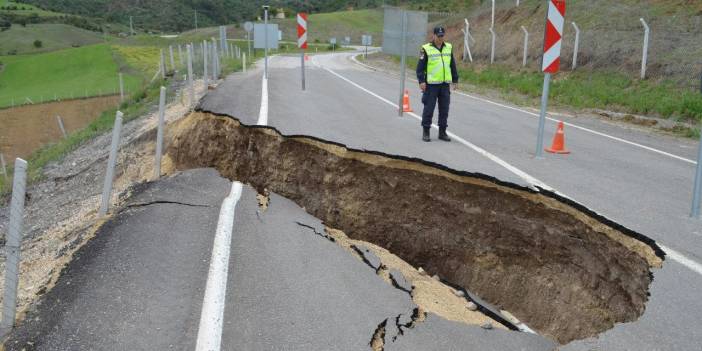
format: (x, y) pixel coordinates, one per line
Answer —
(139, 284)
(644, 190)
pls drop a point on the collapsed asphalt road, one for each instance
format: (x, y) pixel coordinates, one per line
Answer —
(138, 285)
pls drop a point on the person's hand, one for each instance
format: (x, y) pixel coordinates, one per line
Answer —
(423, 86)
(454, 86)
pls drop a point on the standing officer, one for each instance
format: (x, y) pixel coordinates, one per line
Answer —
(436, 71)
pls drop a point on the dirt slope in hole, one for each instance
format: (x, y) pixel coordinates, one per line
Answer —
(558, 267)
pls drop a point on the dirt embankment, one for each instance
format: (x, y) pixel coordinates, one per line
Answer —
(559, 268)
(26, 128)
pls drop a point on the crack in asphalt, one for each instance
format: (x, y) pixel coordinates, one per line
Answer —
(144, 204)
(315, 231)
(377, 342)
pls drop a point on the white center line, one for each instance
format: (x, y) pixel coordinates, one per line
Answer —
(674, 255)
(209, 335)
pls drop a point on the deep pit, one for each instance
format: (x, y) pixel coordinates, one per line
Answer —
(558, 267)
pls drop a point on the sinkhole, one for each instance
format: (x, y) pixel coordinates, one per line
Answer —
(557, 266)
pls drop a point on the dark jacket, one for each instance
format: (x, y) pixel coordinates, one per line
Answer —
(422, 65)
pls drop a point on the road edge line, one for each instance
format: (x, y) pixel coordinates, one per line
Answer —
(209, 335)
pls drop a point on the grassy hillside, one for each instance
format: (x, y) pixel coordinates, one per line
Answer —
(19, 8)
(66, 73)
(20, 40)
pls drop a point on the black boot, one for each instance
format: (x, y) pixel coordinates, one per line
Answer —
(443, 136)
(425, 135)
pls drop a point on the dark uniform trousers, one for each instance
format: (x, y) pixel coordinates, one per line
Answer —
(434, 92)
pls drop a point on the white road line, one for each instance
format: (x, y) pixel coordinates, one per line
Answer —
(531, 181)
(263, 113)
(533, 114)
(672, 254)
(209, 335)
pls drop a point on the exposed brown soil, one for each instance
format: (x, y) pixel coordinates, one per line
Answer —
(556, 266)
(26, 128)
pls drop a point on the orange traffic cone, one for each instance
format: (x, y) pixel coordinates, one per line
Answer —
(558, 146)
(406, 103)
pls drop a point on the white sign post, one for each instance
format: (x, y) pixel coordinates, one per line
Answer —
(302, 42)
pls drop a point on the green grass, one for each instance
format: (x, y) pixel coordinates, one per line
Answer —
(20, 40)
(66, 73)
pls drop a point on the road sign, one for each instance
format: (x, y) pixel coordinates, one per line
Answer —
(332, 41)
(415, 28)
(367, 40)
(302, 30)
(248, 26)
(553, 37)
(260, 36)
(347, 40)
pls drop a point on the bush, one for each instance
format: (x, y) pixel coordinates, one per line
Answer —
(5, 25)
(38, 44)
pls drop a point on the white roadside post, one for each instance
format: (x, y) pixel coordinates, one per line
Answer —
(111, 162)
(121, 88)
(576, 45)
(302, 42)
(492, 46)
(180, 55)
(243, 62)
(191, 83)
(697, 188)
(551, 60)
(526, 46)
(162, 63)
(173, 66)
(644, 59)
(3, 166)
(466, 41)
(159, 133)
(13, 246)
(59, 120)
(492, 23)
(402, 63)
(204, 64)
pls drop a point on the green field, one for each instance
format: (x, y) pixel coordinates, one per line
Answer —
(20, 40)
(66, 73)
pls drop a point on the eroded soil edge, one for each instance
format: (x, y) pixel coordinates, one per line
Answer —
(557, 266)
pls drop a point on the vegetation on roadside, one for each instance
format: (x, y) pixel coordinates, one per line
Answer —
(19, 40)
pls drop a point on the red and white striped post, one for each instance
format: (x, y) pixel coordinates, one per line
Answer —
(551, 62)
(302, 41)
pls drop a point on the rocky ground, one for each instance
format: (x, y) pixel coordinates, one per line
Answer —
(61, 208)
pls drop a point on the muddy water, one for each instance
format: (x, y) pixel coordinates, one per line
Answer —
(558, 267)
(25, 129)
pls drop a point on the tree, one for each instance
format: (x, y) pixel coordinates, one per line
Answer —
(38, 44)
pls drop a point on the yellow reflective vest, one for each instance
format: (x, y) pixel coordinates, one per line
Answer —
(438, 63)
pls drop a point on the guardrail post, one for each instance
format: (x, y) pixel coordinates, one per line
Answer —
(526, 45)
(170, 51)
(576, 45)
(204, 63)
(3, 166)
(492, 49)
(112, 160)
(191, 83)
(60, 124)
(644, 59)
(121, 88)
(697, 188)
(12, 247)
(159, 133)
